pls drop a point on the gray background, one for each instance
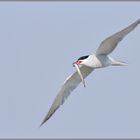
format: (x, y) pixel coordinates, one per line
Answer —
(39, 41)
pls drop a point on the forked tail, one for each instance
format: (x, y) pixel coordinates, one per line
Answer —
(119, 63)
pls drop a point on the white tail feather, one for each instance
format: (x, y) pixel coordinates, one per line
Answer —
(119, 63)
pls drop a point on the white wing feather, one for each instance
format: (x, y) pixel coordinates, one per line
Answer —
(68, 86)
(109, 44)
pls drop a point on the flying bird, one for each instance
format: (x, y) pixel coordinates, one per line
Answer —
(89, 63)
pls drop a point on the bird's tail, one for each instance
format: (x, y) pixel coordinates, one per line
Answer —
(119, 63)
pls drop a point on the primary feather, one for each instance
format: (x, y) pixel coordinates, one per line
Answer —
(109, 44)
(68, 86)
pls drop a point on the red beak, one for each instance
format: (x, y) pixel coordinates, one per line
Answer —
(77, 62)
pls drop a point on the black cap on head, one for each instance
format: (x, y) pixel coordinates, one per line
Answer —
(83, 57)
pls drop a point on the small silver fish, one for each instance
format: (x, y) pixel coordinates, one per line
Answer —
(80, 74)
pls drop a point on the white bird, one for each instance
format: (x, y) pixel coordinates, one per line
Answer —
(88, 63)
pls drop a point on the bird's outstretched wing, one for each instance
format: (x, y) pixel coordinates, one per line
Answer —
(109, 44)
(68, 86)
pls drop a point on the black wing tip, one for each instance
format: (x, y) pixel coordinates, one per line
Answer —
(45, 120)
(42, 123)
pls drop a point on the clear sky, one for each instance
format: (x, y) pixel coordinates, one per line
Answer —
(39, 41)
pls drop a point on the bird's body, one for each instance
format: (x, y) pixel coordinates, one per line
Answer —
(97, 61)
(90, 62)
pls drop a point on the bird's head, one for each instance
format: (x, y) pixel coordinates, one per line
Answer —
(81, 60)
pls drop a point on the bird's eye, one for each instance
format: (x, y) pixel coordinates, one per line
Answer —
(78, 62)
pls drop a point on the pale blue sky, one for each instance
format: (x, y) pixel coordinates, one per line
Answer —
(39, 42)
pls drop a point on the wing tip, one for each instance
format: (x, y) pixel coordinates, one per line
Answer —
(44, 121)
(50, 113)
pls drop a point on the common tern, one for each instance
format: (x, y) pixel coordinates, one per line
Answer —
(86, 64)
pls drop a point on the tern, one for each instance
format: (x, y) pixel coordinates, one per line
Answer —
(86, 64)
